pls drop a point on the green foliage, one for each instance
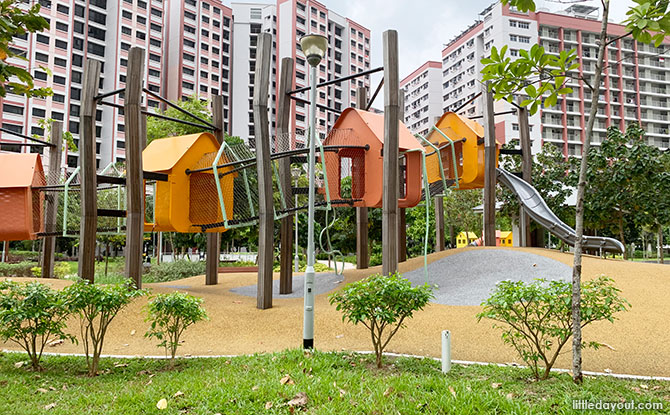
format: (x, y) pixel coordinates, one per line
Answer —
(628, 183)
(159, 128)
(96, 306)
(68, 138)
(521, 5)
(177, 270)
(458, 211)
(536, 318)
(22, 269)
(31, 315)
(541, 76)
(61, 269)
(381, 303)
(648, 21)
(318, 267)
(15, 21)
(170, 314)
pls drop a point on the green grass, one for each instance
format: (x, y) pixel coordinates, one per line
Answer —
(335, 383)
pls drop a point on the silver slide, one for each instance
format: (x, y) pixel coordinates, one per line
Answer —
(538, 210)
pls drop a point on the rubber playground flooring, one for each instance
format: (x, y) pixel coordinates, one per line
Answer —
(637, 343)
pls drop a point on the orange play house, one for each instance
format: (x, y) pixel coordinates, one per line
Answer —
(21, 204)
(363, 132)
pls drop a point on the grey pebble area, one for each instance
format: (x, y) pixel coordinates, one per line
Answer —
(323, 282)
(469, 277)
(466, 278)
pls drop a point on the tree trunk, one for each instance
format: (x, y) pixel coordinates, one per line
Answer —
(659, 245)
(577, 375)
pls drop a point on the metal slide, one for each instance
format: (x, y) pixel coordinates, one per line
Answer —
(538, 210)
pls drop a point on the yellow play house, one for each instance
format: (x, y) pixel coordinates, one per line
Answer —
(188, 200)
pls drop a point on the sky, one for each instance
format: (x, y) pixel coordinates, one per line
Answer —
(425, 26)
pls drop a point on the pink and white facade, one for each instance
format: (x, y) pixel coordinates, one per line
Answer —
(635, 84)
(348, 53)
(103, 30)
(199, 56)
(423, 97)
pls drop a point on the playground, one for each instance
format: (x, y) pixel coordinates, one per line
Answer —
(637, 335)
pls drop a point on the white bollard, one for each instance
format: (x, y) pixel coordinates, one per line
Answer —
(446, 351)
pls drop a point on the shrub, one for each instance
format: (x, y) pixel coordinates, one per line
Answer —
(170, 314)
(97, 305)
(22, 269)
(318, 267)
(382, 304)
(61, 269)
(537, 317)
(31, 315)
(170, 271)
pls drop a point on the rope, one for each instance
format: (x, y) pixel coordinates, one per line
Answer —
(330, 251)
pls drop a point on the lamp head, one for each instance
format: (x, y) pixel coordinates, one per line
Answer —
(314, 47)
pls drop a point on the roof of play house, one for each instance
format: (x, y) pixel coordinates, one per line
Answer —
(375, 123)
(476, 127)
(18, 169)
(164, 153)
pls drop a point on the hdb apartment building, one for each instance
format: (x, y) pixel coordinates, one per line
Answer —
(634, 87)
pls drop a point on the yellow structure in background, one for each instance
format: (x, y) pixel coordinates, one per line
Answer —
(504, 238)
(464, 239)
(187, 200)
(467, 137)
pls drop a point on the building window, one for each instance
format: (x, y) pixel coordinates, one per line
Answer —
(126, 30)
(255, 13)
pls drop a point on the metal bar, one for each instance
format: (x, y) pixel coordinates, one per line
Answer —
(511, 151)
(112, 213)
(9, 143)
(323, 107)
(109, 94)
(495, 114)
(25, 137)
(159, 177)
(275, 156)
(111, 180)
(379, 88)
(180, 109)
(468, 102)
(338, 80)
(165, 117)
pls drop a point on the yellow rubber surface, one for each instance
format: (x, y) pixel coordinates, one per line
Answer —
(637, 343)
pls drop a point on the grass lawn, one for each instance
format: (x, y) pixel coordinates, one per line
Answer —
(333, 383)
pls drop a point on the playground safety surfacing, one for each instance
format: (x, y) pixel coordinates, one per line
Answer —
(637, 343)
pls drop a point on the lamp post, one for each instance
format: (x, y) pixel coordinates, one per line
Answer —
(314, 47)
(295, 172)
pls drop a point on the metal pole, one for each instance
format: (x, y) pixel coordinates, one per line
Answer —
(159, 257)
(296, 259)
(446, 351)
(308, 323)
(4, 251)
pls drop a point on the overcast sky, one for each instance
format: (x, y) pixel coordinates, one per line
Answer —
(424, 26)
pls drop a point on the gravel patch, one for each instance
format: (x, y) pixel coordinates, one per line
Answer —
(323, 282)
(468, 278)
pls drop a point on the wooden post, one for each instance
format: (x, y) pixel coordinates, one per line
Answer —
(263, 164)
(283, 125)
(490, 170)
(362, 256)
(439, 223)
(402, 215)
(89, 204)
(135, 139)
(526, 170)
(51, 200)
(391, 141)
(214, 239)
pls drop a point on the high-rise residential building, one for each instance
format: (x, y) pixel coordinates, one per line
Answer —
(423, 97)
(635, 84)
(348, 53)
(96, 29)
(199, 51)
(251, 19)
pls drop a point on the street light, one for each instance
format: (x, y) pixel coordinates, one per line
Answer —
(314, 47)
(295, 172)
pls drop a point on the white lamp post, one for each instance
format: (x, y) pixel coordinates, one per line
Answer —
(314, 47)
(295, 172)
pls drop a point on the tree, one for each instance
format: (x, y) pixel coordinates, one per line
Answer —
(459, 213)
(160, 128)
(17, 20)
(647, 21)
